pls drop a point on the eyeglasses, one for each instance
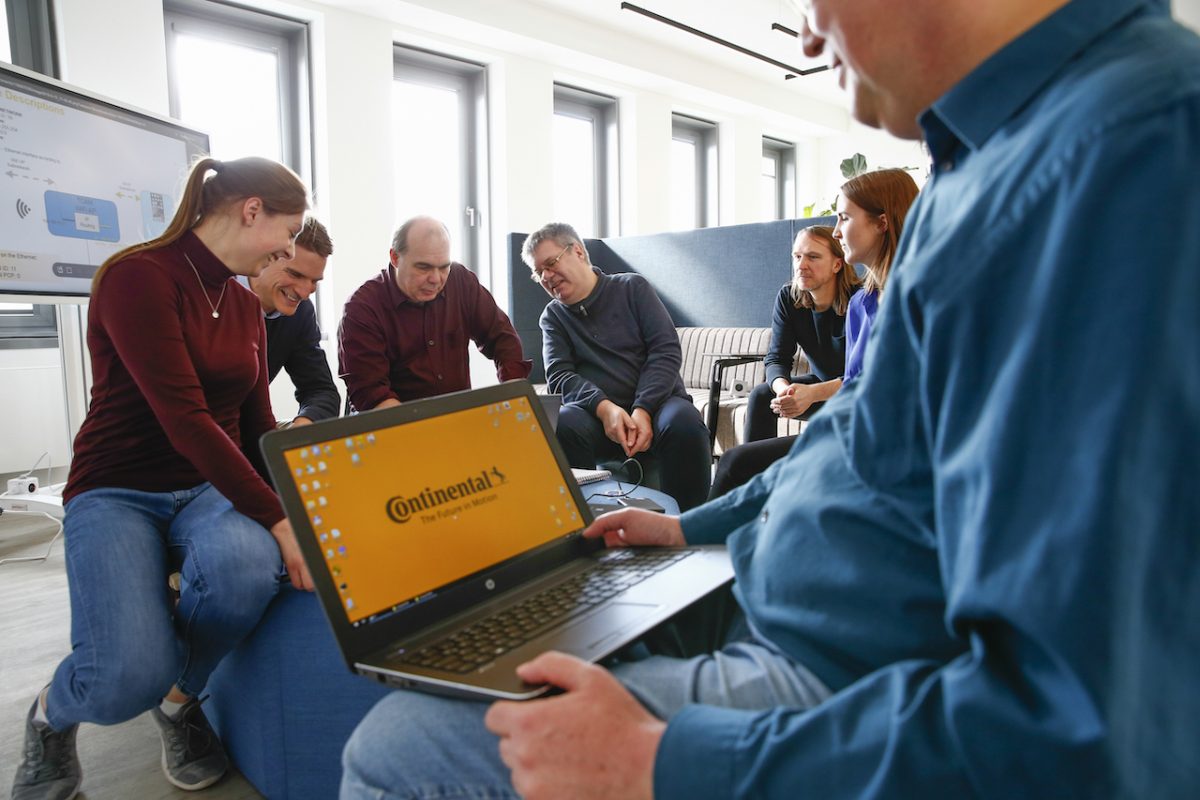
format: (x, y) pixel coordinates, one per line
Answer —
(539, 273)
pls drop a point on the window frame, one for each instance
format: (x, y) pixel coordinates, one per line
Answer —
(5, 38)
(703, 134)
(31, 35)
(290, 40)
(286, 37)
(32, 41)
(21, 329)
(603, 112)
(784, 155)
(469, 80)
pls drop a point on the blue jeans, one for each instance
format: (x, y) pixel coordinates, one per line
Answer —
(129, 641)
(414, 745)
(680, 444)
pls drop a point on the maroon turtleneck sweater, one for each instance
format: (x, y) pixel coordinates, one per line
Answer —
(178, 397)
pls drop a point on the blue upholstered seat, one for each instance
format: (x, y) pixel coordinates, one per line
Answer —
(284, 702)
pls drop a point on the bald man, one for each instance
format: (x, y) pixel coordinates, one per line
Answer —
(404, 333)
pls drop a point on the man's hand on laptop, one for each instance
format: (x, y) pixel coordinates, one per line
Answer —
(593, 739)
(292, 559)
(636, 527)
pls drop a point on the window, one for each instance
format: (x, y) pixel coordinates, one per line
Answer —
(212, 48)
(586, 188)
(439, 151)
(5, 47)
(26, 39)
(26, 325)
(693, 173)
(27, 35)
(778, 188)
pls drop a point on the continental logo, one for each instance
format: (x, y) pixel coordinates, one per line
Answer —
(400, 509)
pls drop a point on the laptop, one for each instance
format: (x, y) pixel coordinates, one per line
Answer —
(551, 404)
(444, 540)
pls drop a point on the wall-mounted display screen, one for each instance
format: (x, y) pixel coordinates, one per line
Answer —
(80, 178)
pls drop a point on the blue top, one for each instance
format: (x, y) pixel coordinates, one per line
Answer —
(996, 461)
(820, 334)
(860, 315)
(618, 343)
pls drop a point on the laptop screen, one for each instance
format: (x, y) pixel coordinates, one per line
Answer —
(404, 511)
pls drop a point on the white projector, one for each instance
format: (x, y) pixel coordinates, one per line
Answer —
(23, 495)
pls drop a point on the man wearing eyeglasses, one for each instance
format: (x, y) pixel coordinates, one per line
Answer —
(611, 350)
(404, 333)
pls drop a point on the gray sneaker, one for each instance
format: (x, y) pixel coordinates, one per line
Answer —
(49, 768)
(192, 756)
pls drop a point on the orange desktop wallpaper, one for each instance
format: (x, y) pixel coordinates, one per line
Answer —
(404, 510)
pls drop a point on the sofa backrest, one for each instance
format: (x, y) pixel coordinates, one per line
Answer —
(724, 277)
(702, 346)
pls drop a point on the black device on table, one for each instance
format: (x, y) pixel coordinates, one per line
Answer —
(641, 502)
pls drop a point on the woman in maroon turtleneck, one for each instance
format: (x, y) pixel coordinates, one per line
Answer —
(166, 477)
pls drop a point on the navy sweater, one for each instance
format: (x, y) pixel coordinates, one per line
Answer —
(618, 344)
(294, 344)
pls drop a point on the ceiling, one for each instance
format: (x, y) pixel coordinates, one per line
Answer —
(743, 22)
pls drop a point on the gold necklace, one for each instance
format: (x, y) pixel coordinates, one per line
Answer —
(210, 302)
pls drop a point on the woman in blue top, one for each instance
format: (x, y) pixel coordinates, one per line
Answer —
(810, 315)
(870, 218)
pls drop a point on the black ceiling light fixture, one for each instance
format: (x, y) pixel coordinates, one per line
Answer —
(792, 72)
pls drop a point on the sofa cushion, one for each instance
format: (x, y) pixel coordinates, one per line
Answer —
(284, 702)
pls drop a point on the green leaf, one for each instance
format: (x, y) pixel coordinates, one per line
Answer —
(854, 165)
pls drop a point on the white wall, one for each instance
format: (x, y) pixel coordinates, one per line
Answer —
(32, 412)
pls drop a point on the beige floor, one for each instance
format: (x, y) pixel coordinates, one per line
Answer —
(119, 762)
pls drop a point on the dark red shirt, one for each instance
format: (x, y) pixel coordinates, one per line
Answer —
(178, 398)
(389, 346)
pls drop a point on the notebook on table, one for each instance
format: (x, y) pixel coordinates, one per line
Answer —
(444, 540)
(586, 476)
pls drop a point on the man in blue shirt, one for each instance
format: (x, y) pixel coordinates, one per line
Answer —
(990, 471)
(293, 336)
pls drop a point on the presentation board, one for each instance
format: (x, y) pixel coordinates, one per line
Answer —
(81, 177)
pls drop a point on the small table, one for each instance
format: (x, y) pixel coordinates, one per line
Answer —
(723, 361)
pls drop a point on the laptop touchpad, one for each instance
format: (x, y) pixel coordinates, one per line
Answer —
(603, 632)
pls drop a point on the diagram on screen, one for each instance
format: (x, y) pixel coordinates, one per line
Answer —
(82, 217)
(79, 181)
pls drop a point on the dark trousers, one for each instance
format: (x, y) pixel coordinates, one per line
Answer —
(739, 464)
(761, 421)
(680, 444)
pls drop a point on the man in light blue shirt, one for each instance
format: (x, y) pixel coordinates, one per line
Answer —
(982, 559)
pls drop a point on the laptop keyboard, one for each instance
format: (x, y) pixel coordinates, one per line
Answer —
(494, 636)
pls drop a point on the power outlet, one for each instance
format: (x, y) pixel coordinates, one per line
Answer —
(27, 485)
